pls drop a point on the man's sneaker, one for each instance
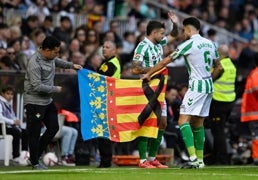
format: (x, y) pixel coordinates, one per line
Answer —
(39, 166)
(201, 164)
(191, 165)
(16, 160)
(67, 161)
(157, 164)
(146, 165)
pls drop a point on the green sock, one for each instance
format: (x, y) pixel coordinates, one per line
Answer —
(188, 139)
(142, 147)
(199, 138)
(155, 143)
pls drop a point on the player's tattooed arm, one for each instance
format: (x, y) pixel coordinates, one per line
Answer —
(138, 69)
(174, 31)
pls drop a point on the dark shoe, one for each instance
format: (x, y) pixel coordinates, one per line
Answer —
(191, 165)
(104, 165)
(67, 162)
(39, 166)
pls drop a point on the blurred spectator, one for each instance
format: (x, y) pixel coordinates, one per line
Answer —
(212, 17)
(246, 61)
(78, 58)
(68, 141)
(20, 57)
(4, 35)
(252, 16)
(68, 6)
(163, 13)
(10, 52)
(114, 27)
(63, 32)
(96, 14)
(29, 24)
(13, 124)
(140, 10)
(91, 42)
(127, 70)
(5, 63)
(38, 8)
(211, 34)
(222, 38)
(47, 25)
(27, 46)
(93, 62)
(87, 7)
(15, 32)
(236, 28)
(14, 21)
(128, 42)
(98, 26)
(246, 31)
(73, 46)
(80, 34)
(14, 4)
(37, 37)
(140, 27)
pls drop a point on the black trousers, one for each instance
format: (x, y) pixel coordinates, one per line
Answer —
(20, 136)
(219, 113)
(105, 151)
(36, 115)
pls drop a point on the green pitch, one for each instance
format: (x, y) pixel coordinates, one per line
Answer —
(130, 173)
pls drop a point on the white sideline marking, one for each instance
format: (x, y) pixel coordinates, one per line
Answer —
(115, 170)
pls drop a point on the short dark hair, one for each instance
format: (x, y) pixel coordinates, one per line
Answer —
(6, 60)
(193, 22)
(65, 18)
(152, 25)
(48, 18)
(50, 42)
(32, 18)
(7, 88)
(211, 32)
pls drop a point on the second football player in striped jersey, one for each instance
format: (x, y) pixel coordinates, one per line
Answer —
(199, 54)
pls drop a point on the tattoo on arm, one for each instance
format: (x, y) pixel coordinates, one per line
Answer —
(137, 68)
(174, 31)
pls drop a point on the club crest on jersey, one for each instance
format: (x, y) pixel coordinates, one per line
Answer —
(137, 56)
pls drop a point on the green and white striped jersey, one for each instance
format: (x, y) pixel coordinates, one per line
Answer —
(149, 53)
(199, 54)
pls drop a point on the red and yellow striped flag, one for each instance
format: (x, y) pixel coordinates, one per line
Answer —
(111, 107)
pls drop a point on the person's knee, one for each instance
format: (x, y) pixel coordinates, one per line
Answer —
(75, 132)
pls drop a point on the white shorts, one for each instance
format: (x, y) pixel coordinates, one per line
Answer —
(164, 109)
(196, 104)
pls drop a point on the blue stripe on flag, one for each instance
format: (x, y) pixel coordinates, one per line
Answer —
(93, 96)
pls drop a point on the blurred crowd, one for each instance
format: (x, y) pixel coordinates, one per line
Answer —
(21, 35)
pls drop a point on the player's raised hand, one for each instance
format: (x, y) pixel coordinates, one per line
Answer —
(172, 16)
